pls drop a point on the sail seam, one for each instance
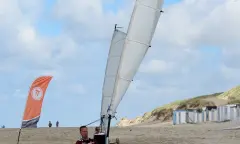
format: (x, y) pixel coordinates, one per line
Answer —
(138, 42)
(118, 41)
(114, 56)
(125, 79)
(111, 75)
(140, 3)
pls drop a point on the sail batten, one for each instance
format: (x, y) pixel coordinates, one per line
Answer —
(142, 26)
(137, 42)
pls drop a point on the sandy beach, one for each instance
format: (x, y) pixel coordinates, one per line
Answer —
(152, 133)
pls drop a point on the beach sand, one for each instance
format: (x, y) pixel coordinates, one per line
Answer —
(152, 133)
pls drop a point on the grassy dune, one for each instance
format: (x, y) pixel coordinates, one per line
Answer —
(164, 113)
(233, 95)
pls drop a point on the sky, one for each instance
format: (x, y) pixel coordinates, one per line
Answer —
(195, 51)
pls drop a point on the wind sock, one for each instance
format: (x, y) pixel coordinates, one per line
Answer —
(34, 102)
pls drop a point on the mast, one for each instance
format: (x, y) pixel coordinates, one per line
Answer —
(109, 124)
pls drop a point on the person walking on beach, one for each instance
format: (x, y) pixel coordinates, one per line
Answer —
(57, 124)
(49, 124)
(84, 134)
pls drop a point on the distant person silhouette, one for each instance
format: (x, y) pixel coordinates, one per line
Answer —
(97, 130)
(49, 124)
(57, 124)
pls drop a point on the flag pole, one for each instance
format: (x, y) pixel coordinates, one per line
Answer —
(19, 133)
(20, 130)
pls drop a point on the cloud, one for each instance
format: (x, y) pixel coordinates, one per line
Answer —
(156, 66)
(188, 26)
(18, 93)
(77, 89)
(192, 23)
(18, 35)
(176, 64)
(231, 74)
(195, 50)
(21, 41)
(25, 54)
(88, 21)
(3, 98)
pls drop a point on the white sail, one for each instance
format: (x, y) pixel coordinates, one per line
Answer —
(141, 29)
(114, 55)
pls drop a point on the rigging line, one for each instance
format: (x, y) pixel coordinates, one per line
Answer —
(93, 122)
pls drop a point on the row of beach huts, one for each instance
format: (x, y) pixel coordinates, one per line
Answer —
(207, 114)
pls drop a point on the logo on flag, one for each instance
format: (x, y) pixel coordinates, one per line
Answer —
(37, 93)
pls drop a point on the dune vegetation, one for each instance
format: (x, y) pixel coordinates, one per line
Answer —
(164, 113)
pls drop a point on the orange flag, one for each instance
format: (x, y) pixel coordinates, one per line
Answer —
(34, 102)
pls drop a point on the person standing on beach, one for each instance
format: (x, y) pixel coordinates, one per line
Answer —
(57, 124)
(49, 124)
(84, 134)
